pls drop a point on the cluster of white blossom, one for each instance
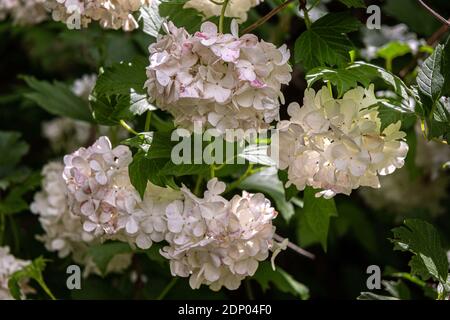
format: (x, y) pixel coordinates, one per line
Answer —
(235, 8)
(111, 14)
(64, 232)
(217, 80)
(100, 192)
(9, 265)
(429, 188)
(215, 241)
(337, 144)
(23, 12)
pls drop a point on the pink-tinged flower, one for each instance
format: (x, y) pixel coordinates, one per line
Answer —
(222, 81)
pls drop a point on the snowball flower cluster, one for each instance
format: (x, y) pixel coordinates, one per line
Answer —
(23, 12)
(64, 232)
(220, 81)
(100, 192)
(8, 266)
(235, 8)
(217, 242)
(111, 14)
(429, 190)
(337, 144)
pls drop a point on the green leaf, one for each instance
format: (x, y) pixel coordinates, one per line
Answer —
(430, 79)
(179, 170)
(109, 110)
(354, 3)
(139, 171)
(438, 125)
(423, 240)
(325, 43)
(57, 99)
(392, 50)
(32, 271)
(390, 113)
(343, 79)
(361, 72)
(317, 213)
(123, 78)
(12, 149)
(190, 19)
(374, 296)
(281, 280)
(102, 254)
(267, 181)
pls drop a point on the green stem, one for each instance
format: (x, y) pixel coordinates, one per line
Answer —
(198, 185)
(212, 171)
(410, 278)
(222, 15)
(166, 290)
(442, 295)
(2, 227)
(305, 13)
(235, 184)
(148, 120)
(389, 65)
(46, 289)
(248, 289)
(315, 3)
(127, 127)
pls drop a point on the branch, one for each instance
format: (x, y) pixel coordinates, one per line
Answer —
(296, 248)
(267, 16)
(431, 41)
(434, 13)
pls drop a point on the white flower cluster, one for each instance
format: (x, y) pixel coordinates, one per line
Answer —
(23, 12)
(218, 80)
(429, 189)
(235, 8)
(215, 241)
(9, 265)
(337, 144)
(100, 192)
(111, 14)
(64, 232)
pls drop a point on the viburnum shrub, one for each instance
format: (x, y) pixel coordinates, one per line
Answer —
(280, 125)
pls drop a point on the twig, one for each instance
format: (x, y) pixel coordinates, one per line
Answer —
(431, 41)
(434, 13)
(267, 16)
(296, 248)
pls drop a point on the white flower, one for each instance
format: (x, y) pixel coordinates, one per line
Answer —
(429, 189)
(9, 265)
(235, 9)
(83, 87)
(101, 194)
(111, 14)
(337, 144)
(220, 81)
(64, 232)
(215, 241)
(23, 12)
